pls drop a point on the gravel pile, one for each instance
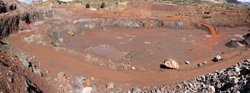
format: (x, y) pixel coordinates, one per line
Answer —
(234, 79)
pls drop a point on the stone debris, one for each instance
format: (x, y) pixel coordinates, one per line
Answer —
(61, 74)
(80, 79)
(110, 85)
(187, 62)
(200, 64)
(217, 58)
(234, 79)
(133, 68)
(77, 88)
(87, 90)
(24, 60)
(170, 63)
(136, 90)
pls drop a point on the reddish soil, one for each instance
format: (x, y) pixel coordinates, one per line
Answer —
(145, 49)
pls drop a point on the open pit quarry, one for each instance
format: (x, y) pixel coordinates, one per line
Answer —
(132, 47)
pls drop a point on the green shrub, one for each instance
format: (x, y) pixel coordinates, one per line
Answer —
(103, 5)
(60, 2)
(116, 3)
(87, 5)
(146, 0)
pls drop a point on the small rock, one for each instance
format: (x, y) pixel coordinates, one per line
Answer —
(24, 60)
(204, 62)
(87, 90)
(92, 78)
(200, 64)
(80, 79)
(170, 63)
(10, 80)
(247, 60)
(136, 90)
(187, 62)
(61, 74)
(133, 68)
(211, 89)
(233, 80)
(217, 58)
(237, 69)
(61, 40)
(94, 87)
(125, 67)
(77, 88)
(110, 85)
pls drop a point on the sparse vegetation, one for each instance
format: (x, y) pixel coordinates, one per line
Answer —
(103, 5)
(87, 5)
(116, 3)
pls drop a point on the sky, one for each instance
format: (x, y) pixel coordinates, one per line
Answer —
(28, 1)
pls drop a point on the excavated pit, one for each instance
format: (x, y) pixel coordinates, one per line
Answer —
(144, 43)
(111, 47)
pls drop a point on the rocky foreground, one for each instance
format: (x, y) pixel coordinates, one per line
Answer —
(234, 79)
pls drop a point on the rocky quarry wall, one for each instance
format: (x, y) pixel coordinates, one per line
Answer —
(10, 23)
(100, 23)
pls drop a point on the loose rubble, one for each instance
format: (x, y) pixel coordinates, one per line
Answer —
(234, 79)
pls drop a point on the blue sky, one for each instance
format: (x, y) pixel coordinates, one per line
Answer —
(28, 1)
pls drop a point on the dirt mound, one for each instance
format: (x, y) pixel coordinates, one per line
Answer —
(162, 7)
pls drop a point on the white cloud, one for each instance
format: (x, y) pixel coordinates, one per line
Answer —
(244, 0)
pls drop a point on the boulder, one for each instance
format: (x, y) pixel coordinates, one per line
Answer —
(217, 58)
(170, 63)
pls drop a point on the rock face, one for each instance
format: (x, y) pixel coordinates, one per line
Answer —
(2, 7)
(170, 63)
